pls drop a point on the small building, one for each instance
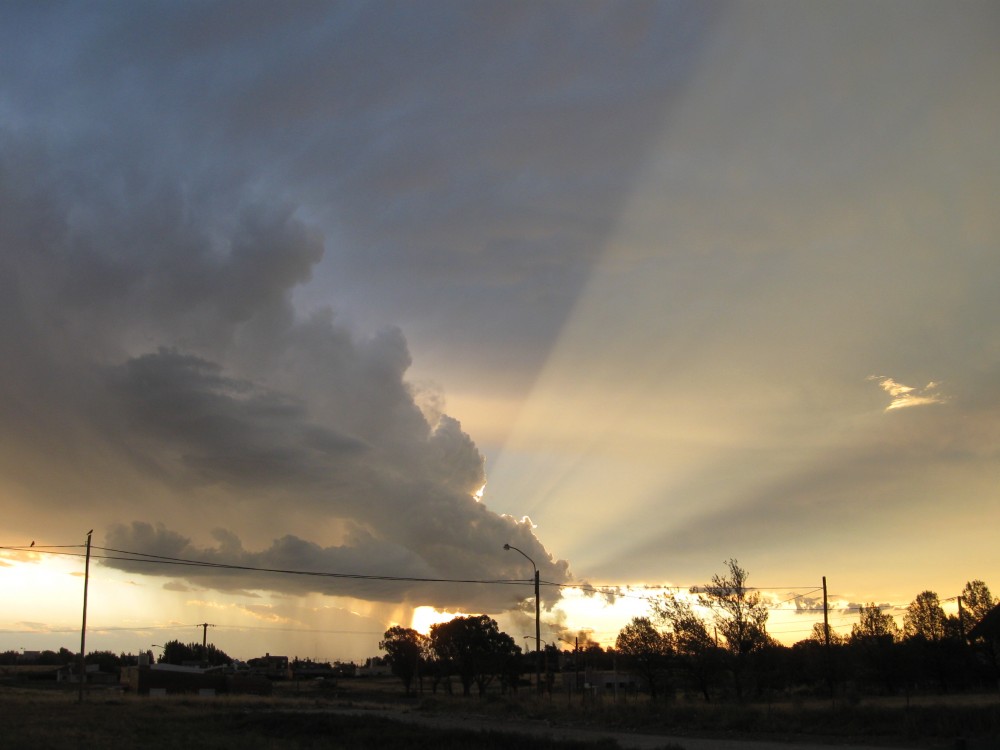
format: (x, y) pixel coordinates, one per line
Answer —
(169, 679)
(71, 673)
(271, 667)
(602, 682)
(374, 668)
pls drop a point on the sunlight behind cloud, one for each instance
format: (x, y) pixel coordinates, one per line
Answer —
(424, 617)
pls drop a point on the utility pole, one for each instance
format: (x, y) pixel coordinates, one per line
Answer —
(826, 618)
(538, 635)
(826, 639)
(204, 634)
(961, 619)
(83, 627)
(576, 666)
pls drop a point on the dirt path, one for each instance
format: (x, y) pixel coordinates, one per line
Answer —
(626, 740)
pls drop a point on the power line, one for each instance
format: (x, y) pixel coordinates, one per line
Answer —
(149, 558)
(617, 590)
(624, 591)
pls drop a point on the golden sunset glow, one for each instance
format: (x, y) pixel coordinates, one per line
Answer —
(424, 617)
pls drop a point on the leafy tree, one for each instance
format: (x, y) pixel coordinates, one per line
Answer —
(695, 649)
(62, 657)
(925, 618)
(107, 661)
(932, 643)
(823, 649)
(977, 601)
(818, 635)
(874, 640)
(646, 649)
(740, 616)
(476, 647)
(874, 623)
(404, 648)
(175, 652)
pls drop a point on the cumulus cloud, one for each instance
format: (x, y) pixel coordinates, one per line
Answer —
(186, 190)
(157, 370)
(808, 604)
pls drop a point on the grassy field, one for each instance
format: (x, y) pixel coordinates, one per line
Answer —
(934, 721)
(44, 719)
(299, 715)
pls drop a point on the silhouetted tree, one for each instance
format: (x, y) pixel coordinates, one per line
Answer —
(924, 617)
(404, 648)
(475, 647)
(818, 634)
(873, 641)
(740, 617)
(175, 652)
(695, 650)
(821, 660)
(926, 629)
(646, 651)
(976, 602)
(874, 623)
(60, 658)
(107, 661)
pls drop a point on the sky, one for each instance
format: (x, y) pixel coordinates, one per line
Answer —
(371, 289)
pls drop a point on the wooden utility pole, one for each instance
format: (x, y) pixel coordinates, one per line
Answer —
(204, 633)
(83, 627)
(826, 639)
(826, 618)
(961, 619)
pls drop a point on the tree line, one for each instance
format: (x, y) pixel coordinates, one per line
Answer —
(674, 649)
(174, 652)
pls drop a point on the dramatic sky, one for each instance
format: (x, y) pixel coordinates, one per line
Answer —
(283, 285)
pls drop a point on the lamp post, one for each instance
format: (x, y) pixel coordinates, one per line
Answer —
(538, 623)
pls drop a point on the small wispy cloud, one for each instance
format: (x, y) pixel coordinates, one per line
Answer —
(266, 613)
(904, 396)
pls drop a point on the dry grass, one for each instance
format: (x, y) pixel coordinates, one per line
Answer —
(932, 721)
(299, 715)
(55, 719)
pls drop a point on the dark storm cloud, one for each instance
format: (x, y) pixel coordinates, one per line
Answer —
(480, 151)
(166, 188)
(172, 174)
(155, 365)
(228, 430)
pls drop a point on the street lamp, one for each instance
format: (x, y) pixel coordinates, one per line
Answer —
(538, 623)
